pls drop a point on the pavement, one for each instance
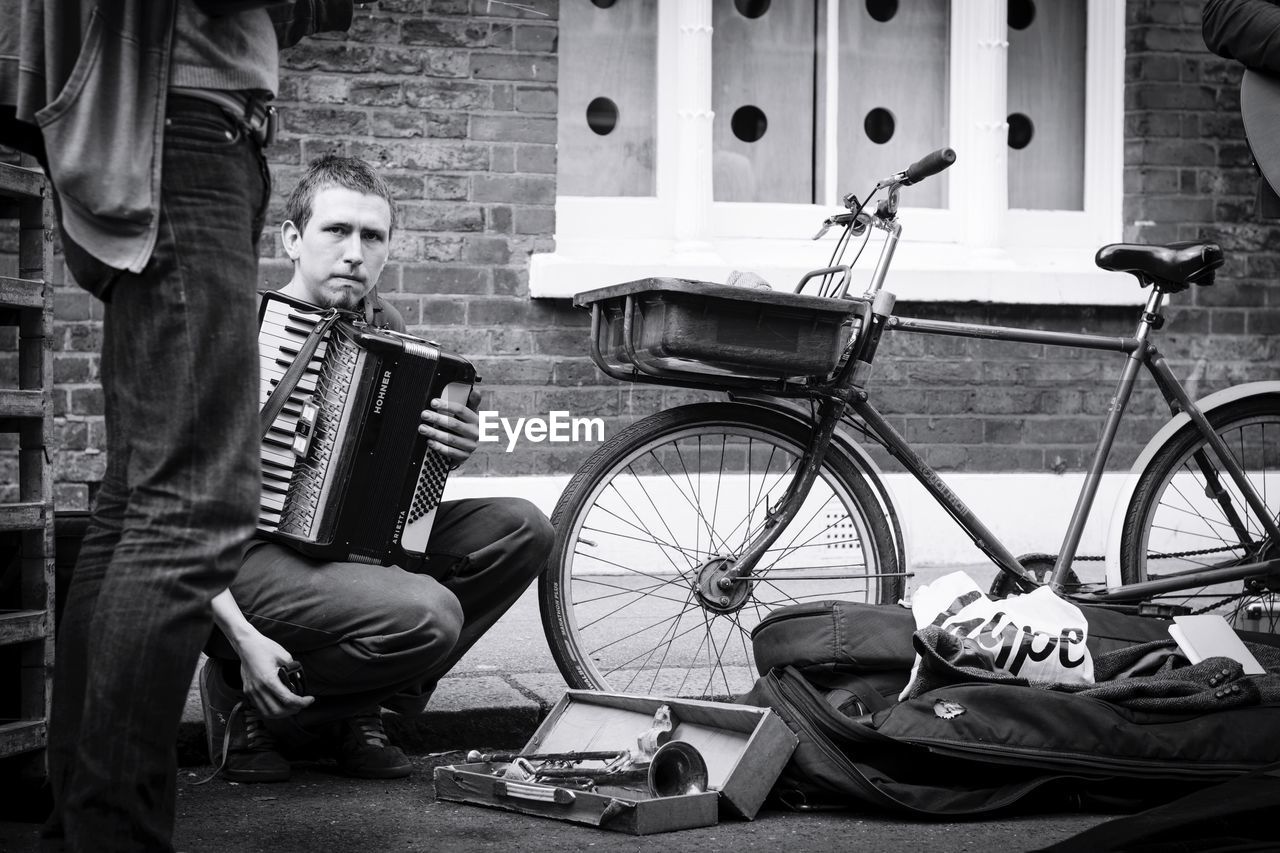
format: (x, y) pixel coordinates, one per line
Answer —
(494, 699)
(320, 812)
(496, 695)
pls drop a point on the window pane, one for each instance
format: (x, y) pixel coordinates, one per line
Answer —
(762, 72)
(1046, 104)
(893, 92)
(608, 90)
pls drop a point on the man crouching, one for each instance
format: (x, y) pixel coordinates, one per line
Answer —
(367, 637)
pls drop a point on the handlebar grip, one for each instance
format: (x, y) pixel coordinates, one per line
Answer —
(930, 164)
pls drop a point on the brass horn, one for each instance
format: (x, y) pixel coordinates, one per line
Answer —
(676, 768)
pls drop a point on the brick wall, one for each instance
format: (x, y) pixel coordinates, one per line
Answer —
(455, 101)
(984, 406)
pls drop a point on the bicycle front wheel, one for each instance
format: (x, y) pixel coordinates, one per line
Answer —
(1187, 514)
(656, 518)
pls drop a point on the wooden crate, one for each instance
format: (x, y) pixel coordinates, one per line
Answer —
(26, 518)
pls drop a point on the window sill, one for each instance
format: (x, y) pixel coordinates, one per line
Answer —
(929, 272)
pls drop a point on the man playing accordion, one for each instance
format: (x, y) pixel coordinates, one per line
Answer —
(367, 636)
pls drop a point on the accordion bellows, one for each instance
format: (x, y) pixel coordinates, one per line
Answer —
(345, 473)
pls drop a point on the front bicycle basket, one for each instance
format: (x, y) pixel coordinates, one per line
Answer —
(668, 327)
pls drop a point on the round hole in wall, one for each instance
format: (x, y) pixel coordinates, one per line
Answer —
(1020, 131)
(749, 123)
(882, 10)
(1021, 13)
(602, 116)
(879, 125)
(603, 4)
(751, 8)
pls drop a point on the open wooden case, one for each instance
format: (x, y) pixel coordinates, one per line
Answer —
(745, 749)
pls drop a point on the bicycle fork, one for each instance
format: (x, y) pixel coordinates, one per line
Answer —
(722, 587)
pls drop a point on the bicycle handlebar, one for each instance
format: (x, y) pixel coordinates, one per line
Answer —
(927, 166)
(930, 164)
(885, 217)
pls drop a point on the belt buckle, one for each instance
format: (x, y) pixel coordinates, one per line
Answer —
(266, 133)
(260, 119)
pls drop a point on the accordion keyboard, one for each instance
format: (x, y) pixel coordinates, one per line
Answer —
(280, 337)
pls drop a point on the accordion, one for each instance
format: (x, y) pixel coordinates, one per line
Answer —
(345, 473)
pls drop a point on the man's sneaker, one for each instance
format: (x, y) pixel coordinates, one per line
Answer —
(365, 752)
(239, 744)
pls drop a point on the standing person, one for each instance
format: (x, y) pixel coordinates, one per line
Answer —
(366, 636)
(150, 117)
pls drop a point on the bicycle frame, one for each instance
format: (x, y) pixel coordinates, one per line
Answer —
(1139, 354)
(847, 392)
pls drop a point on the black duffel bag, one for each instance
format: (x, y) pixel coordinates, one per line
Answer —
(971, 742)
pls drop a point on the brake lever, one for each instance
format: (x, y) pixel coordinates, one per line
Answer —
(841, 219)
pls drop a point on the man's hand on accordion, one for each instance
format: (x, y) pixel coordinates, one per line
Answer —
(453, 429)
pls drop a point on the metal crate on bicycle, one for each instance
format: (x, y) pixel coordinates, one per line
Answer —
(684, 530)
(667, 328)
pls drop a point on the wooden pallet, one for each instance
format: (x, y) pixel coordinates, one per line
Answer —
(26, 411)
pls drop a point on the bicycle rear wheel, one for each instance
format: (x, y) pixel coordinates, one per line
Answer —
(1187, 514)
(670, 502)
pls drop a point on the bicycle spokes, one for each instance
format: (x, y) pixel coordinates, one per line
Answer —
(655, 603)
(1197, 518)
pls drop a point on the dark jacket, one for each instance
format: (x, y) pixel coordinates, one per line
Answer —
(382, 314)
(1148, 677)
(1247, 31)
(93, 76)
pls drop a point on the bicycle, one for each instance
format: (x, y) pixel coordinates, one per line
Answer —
(661, 566)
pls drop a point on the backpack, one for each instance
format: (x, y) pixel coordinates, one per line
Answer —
(974, 742)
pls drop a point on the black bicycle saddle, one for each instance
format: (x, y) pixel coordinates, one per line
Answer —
(1172, 267)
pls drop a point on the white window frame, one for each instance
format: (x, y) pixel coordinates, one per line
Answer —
(976, 249)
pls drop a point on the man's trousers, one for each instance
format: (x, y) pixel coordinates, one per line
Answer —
(380, 635)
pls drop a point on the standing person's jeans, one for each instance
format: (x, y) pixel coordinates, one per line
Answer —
(180, 494)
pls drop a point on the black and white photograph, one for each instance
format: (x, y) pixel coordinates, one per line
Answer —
(639, 425)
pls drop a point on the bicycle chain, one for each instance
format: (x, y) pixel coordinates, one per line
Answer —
(1226, 599)
(1218, 604)
(1199, 553)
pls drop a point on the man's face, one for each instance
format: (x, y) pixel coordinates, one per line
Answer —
(341, 252)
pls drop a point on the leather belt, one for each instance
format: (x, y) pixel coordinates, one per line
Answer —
(249, 110)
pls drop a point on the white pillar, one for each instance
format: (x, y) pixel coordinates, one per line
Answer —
(982, 47)
(693, 126)
(1104, 139)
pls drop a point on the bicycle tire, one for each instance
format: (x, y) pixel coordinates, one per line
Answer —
(1172, 512)
(595, 652)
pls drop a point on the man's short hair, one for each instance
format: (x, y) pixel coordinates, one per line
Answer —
(331, 170)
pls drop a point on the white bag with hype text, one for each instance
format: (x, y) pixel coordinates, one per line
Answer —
(1037, 636)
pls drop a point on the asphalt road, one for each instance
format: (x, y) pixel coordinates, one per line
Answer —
(318, 812)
